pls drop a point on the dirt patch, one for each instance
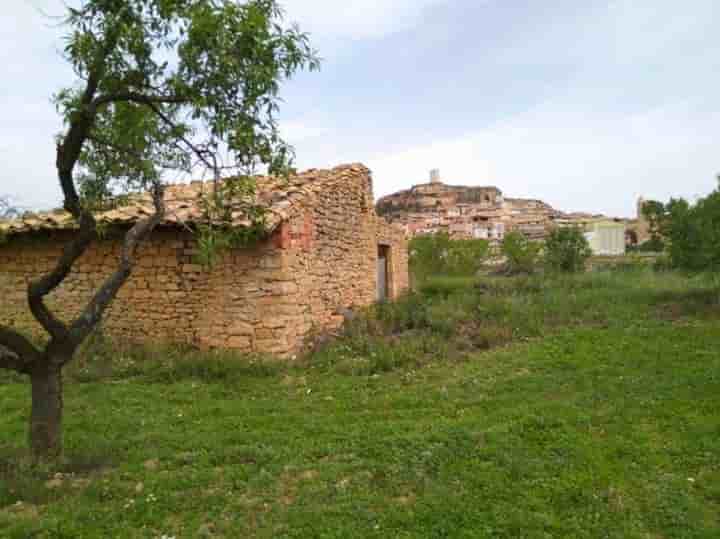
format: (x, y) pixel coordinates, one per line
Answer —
(21, 511)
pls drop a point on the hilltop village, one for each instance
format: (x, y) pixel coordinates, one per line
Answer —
(480, 212)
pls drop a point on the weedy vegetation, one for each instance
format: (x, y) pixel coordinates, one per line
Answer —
(555, 405)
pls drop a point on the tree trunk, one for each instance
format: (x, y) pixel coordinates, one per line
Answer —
(46, 415)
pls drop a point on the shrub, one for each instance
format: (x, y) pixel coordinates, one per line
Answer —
(464, 257)
(424, 258)
(521, 254)
(409, 312)
(690, 232)
(693, 233)
(567, 249)
(653, 245)
(654, 213)
(437, 254)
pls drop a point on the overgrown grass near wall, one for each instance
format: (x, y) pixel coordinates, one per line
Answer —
(581, 406)
(451, 318)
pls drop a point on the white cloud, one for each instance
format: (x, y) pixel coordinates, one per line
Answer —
(622, 32)
(356, 19)
(299, 131)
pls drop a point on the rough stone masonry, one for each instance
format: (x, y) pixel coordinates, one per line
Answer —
(320, 257)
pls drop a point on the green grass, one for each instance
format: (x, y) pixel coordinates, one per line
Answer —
(579, 406)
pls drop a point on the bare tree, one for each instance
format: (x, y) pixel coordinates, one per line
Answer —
(161, 86)
(7, 209)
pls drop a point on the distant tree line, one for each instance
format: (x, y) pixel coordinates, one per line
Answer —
(437, 254)
(688, 232)
(564, 250)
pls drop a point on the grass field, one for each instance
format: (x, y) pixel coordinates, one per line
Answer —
(583, 406)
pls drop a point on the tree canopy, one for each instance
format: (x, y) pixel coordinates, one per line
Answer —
(690, 232)
(567, 249)
(438, 254)
(173, 85)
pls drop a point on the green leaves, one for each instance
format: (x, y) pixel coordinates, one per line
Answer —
(567, 249)
(179, 86)
(693, 233)
(689, 232)
(221, 206)
(438, 254)
(173, 88)
(169, 89)
(521, 254)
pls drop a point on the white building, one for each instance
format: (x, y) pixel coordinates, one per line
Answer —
(606, 237)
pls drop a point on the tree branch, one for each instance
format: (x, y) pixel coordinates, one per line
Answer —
(104, 144)
(136, 97)
(93, 312)
(197, 151)
(153, 101)
(37, 290)
(17, 353)
(99, 141)
(68, 153)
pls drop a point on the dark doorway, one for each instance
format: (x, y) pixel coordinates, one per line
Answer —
(382, 272)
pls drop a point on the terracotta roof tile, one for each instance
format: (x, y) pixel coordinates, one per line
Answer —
(280, 197)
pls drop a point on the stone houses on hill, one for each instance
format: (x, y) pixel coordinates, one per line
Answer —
(465, 212)
(325, 251)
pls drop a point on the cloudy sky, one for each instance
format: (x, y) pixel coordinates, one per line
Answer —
(586, 104)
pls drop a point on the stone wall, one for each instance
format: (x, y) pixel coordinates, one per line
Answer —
(393, 237)
(269, 298)
(331, 249)
(167, 298)
(641, 224)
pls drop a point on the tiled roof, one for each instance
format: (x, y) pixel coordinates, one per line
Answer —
(280, 197)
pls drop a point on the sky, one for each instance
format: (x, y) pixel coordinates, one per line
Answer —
(584, 104)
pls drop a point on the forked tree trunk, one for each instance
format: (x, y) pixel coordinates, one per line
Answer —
(46, 414)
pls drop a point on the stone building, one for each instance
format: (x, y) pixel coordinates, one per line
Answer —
(325, 251)
(640, 226)
(465, 212)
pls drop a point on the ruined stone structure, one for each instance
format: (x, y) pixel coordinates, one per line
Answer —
(326, 251)
(465, 212)
(640, 225)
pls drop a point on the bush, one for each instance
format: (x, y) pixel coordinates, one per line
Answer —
(662, 263)
(567, 249)
(521, 254)
(409, 312)
(693, 233)
(653, 245)
(690, 232)
(437, 254)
